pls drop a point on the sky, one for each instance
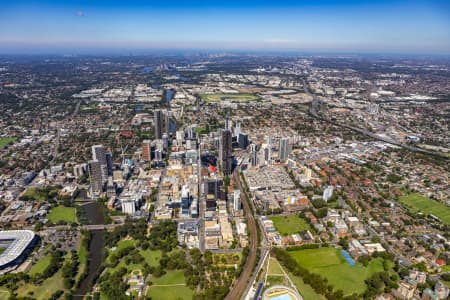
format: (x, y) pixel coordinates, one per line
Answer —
(421, 27)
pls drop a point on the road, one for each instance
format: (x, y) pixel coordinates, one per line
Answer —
(86, 227)
(240, 286)
(55, 150)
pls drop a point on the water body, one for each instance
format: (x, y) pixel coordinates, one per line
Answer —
(95, 216)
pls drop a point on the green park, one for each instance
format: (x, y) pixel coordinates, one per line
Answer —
(238, 97)
(62, 213)
(418, 203)
(329, 263)
(290, 224)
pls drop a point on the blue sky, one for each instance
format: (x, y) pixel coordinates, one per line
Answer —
(346, 25)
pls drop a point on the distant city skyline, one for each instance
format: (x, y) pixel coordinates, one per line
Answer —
(51, 26)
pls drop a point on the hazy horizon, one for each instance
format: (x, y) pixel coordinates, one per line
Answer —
(398, 27)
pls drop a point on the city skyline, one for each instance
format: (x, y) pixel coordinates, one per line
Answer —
(419, 27)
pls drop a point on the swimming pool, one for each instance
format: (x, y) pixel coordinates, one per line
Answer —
(285, 296)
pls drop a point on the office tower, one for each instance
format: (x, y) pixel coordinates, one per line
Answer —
(190, 133)
(109, 164)
(180, 135)
(167, 123)
(243, 140)
(158, 155)
(185, 201)
(165, 139)
(225, 150)
(254, 154)
(228, 124)
(267, 154)
(95, 173)
(99, 154)
(159, 124)
(237, 129)
(237, 200)
(110, 187)
(284, 149)
(327, 193)
(212, 187)
(146, 150)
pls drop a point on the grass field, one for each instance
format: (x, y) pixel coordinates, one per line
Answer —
(44, 290)
(446, 268)
(290, 224)
(62, 213)
(4, 294)
(305, 290)
(2, 250)
(176, 292)
(417, 202)
(170, 286)
(329, 263)
(5, 141)
(241, 97)
(151, 257)
(274, 267)
(40, 266)
(125, 243)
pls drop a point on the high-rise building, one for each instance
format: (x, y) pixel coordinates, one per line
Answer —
(284, 149)
(95, 173)
(243, 140)
(146, 150)
(237, 129)
(267, 155)
(167, 123)
(254, 154)
(237, 200)
(109, 164)
(159, 124)
(228, 124)
(158, 155)
(99, 154)
(165, 139)
(225, 149)
(327, 193)
(185, 201)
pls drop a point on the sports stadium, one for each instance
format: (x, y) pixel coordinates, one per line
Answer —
(16, 245)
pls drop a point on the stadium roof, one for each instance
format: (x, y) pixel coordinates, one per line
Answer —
(21, 239)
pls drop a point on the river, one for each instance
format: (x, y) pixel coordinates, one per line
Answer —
(95, 216)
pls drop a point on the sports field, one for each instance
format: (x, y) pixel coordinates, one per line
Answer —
(241, 97)
(62, 213)
(416, 202)
(170, 286)
(330, 263)
(290, 224)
